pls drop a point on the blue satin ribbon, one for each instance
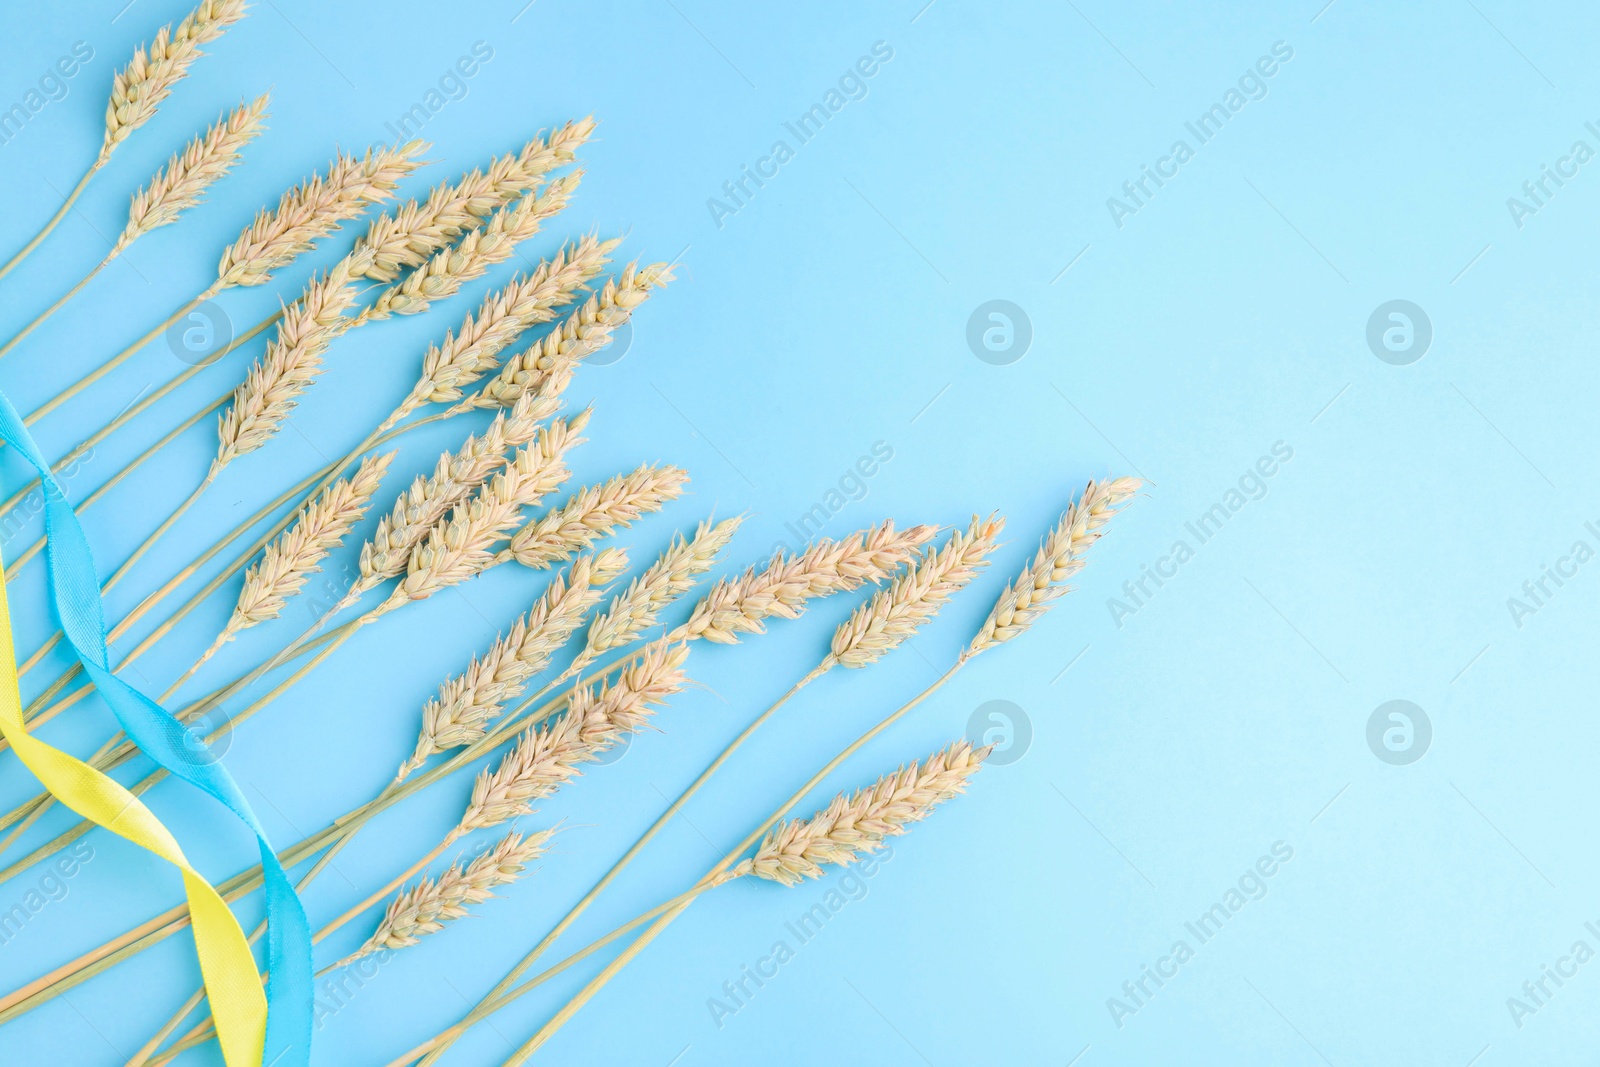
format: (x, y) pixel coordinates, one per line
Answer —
(75, 590)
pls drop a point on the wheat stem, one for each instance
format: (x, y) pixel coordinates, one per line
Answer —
(53, 221)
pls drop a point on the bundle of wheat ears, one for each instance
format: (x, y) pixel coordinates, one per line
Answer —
(590, 663)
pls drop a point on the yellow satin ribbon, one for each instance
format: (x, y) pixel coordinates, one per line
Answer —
(238, 1002)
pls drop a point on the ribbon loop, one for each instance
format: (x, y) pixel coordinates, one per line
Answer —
(252, 1027)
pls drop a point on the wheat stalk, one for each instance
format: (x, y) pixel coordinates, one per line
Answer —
(597, 717)
(148, 79)
(468, 702)
(1058, 559)
(288, 366)
(426, 907)
(462, 358)
(637, 608)
(550, 363)
(406, 237)
(446, 271)
(188, 174)
(462, 545)
(894, 614)
(857, 823)
(298, 552)
(740, 605)
(313, 209)
(417, 510)
(594, 512)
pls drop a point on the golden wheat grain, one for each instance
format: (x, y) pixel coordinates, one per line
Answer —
(298, 552)
(594, 512)
(462, 358)
(148, 79)
(406, 237)
(855, 824)
(741, 605)
(464, 544)
(637, 608)
(1059, 558)
(426, 907)
(288, 366)
(182, 183)
(417, 510)
(468, 702)
(448, 270)
(549, 364)
(313, 209)
(597, 717)
(894, 614)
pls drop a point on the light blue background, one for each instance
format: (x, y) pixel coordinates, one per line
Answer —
(1168, 753)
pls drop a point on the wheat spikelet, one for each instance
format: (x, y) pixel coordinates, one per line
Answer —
(546, 756)
(636, 609)
(313, 209)
(426, 907)
(468, 702)
(1058, 559)
(857, 823)
(298, 552)
(428, 500)
(883, 623)
(549, 364)
(463, 545)
(448, 270)
(288, 366)
(740, 605)
(183, 181)
(140, 87)
(406, 237)
(593, 512)
(464, 357)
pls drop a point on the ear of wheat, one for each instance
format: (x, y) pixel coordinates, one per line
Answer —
(464, 544)
(138, 89)
(425, 504)
(307, 327)
(550, 363)
(289, 365)
(594, 512)
(596, 718)
(448, 270)
(464, 357)
(1059, 558)
(426, 907)
(857, 823)
(741, 605)
(894, 614)
(406, 237)
(182, 183)
(312, 210)
(635, 610)
(298, 552)
(468, 702)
